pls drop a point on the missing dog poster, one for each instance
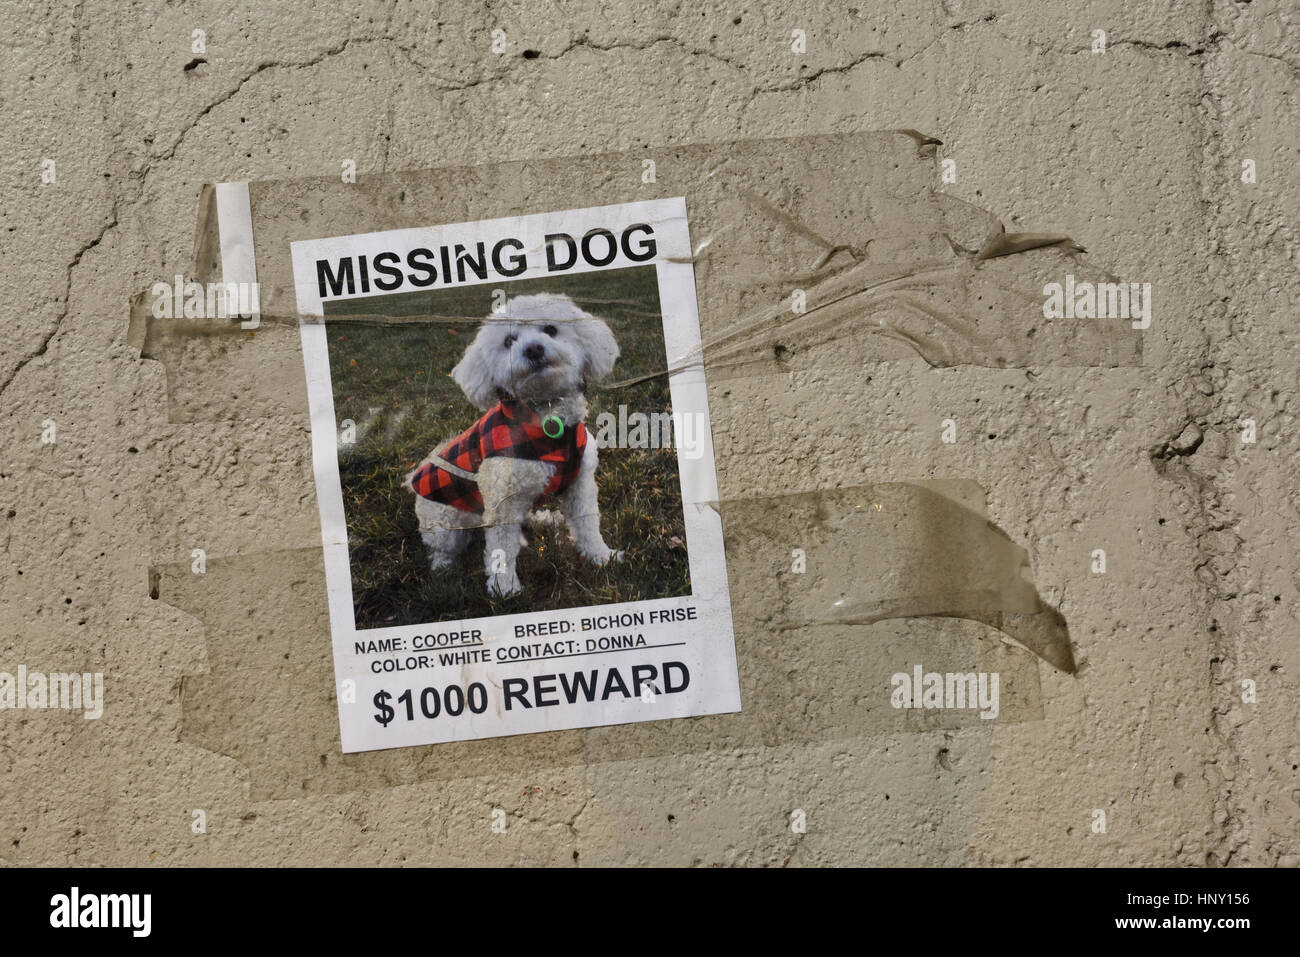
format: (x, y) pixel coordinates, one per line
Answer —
(515, 471)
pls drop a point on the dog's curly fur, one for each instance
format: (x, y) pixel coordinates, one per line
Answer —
(542, 350)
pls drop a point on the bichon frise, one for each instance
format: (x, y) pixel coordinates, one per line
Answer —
(528, 367)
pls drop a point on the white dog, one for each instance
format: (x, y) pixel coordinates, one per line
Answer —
(528, 368)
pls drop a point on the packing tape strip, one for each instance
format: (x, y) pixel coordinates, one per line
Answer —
(235, 228)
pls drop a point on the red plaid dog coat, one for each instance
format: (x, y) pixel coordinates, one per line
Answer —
(509, 429)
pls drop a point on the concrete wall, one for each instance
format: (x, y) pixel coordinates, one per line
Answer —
(1136, 153)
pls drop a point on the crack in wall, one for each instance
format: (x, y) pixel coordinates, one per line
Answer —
(67, 300)
(1200, 479)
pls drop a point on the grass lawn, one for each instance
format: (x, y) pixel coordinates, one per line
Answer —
(391, 379)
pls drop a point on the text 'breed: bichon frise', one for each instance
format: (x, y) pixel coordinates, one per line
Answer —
(528, 367)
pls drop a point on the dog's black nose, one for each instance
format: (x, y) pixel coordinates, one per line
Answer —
(535, 353)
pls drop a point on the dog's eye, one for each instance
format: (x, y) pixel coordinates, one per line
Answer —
(510, 340)
(550, 331)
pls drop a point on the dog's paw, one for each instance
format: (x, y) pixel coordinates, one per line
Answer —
(504, 584)
(603, 556)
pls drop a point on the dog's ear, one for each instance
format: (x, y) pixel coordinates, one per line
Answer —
(600, 346)
(474, 372)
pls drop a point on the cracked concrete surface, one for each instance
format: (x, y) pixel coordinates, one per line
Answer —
(1136, 153)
